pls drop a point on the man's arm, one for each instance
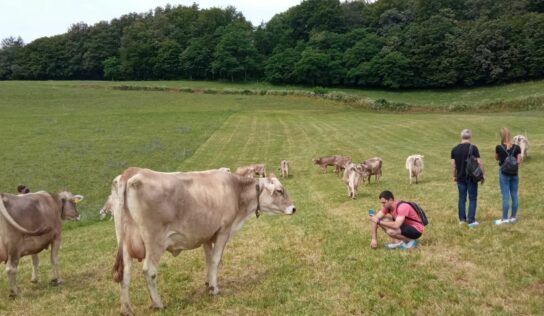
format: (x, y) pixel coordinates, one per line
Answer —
(453, 170)
(374, 220)
(394, 225)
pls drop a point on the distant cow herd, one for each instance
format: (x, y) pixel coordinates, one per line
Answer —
(155, 212)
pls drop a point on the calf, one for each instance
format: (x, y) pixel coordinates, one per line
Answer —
(414, 164)
(523, 143)
(352, 178)
(284, 169)
(337, 161)
(372, 166)
(30, 223)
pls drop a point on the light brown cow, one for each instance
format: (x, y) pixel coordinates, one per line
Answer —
(352, 178)
(337, 161)
(284, 168)
(156, 212)
(30, 223)
(372, 166)
(523, 143)
(414, 164)
(251, 170)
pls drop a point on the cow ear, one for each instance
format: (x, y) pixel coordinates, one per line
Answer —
(77, 198)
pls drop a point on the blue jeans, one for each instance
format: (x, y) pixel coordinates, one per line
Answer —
(464, 187)
(509, 188)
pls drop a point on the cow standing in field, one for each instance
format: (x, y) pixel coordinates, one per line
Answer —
(156, 212)
(251, 170)
(30, 223)
(284, 169)
(372, 166)
(352, 178)
(337, 161)
(523, 143)
(414, 164)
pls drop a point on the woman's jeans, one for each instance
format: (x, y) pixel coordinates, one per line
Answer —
(509, 188)
(467, 187)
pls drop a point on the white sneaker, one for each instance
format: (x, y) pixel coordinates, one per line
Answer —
(462, 222)
(393, 245)
(473, 224)
(512, 220)
(500, 221)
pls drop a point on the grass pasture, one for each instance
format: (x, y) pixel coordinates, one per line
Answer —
(60, 135)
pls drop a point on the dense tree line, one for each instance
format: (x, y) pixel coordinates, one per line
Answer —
(387, 43)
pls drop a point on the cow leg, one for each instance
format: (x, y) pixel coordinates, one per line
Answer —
(11, 270)
(126, 306)
(217, 253)
(150, 269)
(208, 253)
(35, 264)
(55, 245)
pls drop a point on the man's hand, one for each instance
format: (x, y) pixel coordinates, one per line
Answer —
(373, 244)
(374, 219)
(454, 179)
(483, 180)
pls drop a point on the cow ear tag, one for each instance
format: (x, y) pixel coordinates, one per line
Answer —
(77, 198)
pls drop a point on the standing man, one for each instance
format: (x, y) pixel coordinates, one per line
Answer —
(399, 220)
(459, 155)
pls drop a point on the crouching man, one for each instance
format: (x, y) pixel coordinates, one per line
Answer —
(399, 220)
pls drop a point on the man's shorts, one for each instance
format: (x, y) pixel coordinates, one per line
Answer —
(409, 231)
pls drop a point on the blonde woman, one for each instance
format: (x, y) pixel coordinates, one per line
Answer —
(509, 157)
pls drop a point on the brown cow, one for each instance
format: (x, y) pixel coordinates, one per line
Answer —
(337, 161)
(156, 212)
(251, 170)
(372, 166)
(414, 164)
(30, 223)
(523, 143)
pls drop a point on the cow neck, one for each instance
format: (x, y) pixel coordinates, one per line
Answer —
(259, 190)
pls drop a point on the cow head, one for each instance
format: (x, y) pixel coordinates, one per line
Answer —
(273, 198)
(365, 169)
(69, 202)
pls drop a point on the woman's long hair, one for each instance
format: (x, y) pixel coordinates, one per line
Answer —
(506, 139)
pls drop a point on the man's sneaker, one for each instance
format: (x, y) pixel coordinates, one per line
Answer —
(462, 222)
(473, 224)
(501, 222)
(393, 245)
(407, 245)
(512, 220)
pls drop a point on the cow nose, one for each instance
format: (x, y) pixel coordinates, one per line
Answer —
(294, 210)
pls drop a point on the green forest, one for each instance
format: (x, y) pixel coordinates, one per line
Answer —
(384, 44)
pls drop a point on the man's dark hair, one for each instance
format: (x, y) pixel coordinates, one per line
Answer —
(388, 195)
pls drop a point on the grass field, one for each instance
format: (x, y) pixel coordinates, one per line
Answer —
(58, 135)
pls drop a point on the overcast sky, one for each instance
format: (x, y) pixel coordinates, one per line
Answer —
(32, 19)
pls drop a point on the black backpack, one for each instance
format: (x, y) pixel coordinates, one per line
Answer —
(510, 165)
(422, 216)
(473, 170)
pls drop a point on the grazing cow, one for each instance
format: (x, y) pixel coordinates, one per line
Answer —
(337, 161)
(106, 209)
(352, 178)
(156, 212)
(372, 166)
(284, 168)
(523, 143)
(30, 223)
(414, 164)
(251, 170)
(341, 162)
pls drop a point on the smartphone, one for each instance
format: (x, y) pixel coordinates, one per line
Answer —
(371, 212)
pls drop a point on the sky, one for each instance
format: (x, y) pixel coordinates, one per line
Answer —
(32, 19)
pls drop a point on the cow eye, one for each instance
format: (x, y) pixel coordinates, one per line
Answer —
(280, 191)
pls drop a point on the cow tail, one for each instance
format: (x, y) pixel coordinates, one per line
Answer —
(119, 265)
(37, 232)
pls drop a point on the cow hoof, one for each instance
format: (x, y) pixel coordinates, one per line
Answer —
(126, 310)
(157, 307)
(12, 295)
(34, 280)
(213, 290)
(56, 282)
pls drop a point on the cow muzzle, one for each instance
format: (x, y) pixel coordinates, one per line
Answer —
(290, 210)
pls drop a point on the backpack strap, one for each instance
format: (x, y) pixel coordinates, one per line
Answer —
(417, 220)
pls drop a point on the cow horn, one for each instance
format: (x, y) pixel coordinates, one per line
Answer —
(77, 198)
